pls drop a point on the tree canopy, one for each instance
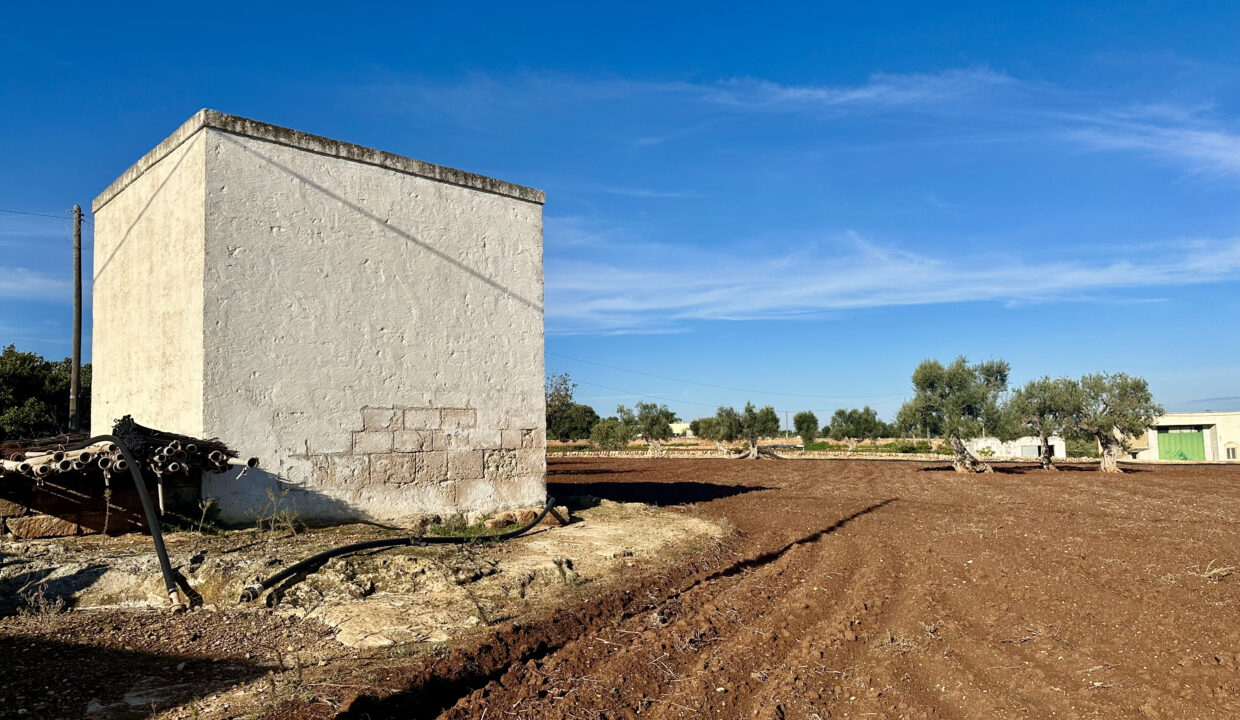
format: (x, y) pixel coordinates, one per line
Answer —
(917, 417)
(755, 424)
(611, 434)
(34, 395)
(1115, 407)
(724, 427)
(853, 425)
(806, 424)
(567, 419)
(1044, 408)
(651, 422)
(960, 400)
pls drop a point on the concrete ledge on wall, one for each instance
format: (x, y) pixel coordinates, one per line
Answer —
(237, 125)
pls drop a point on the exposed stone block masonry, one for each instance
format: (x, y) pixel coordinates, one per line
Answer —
(436, 457)
(263, 286)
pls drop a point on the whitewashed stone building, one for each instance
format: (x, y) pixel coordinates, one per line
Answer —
(1026, 447)
(368, 325)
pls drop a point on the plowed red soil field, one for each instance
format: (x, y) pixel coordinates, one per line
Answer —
(885, 590)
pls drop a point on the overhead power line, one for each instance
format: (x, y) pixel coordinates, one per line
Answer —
(46, 215)
(652, 397)
(717, 387)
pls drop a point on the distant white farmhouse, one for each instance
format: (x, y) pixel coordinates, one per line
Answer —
(681, 430)
(1207, 436)
(1027, 447)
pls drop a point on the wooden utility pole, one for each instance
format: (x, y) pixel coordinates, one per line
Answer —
(75, 422)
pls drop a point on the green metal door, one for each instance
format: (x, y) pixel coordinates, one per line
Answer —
(1181, 446)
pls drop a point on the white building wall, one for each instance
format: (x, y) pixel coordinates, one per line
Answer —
(1012, 449)
(1221, 430)
(146, 338)
(371, 328)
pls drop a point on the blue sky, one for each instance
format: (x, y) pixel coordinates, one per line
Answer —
(790, 205)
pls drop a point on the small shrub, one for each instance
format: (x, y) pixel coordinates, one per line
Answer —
(276, 514)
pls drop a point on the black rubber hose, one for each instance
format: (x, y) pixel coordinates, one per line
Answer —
(152, 521)
(252, 592)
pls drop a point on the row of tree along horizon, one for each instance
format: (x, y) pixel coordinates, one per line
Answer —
(1097, 413)
(951, 404)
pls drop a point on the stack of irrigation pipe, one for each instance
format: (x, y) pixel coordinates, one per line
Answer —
(131, 449)
(161, 454)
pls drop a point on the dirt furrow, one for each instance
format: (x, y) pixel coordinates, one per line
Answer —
(894, 590)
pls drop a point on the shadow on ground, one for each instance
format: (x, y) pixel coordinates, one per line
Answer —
(585, 471)
(42, 588)
(652, 493)
(53, 679)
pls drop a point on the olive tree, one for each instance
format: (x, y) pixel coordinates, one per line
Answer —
(757, 424)
(993, 374)
(1114, 408)
(853, 425)
(806, 424)
(724, 427)
(917, 419)
(651, 422)
(1045, 408)
(960, 400)
(611, 434)
(567, 419)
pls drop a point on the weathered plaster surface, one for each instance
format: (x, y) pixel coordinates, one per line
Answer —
(361, 317)
(147, 351)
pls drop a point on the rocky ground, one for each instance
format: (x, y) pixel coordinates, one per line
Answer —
(86, 636)
(834, 589)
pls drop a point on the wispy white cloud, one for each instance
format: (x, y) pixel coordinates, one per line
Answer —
(682, 285)
(881, 90)
(609, 281)
(651, 194)
(485, 100)
(1193, 145)
(992, 106)
(26, 284)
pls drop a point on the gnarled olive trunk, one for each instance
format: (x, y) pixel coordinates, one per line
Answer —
(753, 450)
(1110, 460)
(721, 448)
(1047, 455)
(964, 461)
(656, 447)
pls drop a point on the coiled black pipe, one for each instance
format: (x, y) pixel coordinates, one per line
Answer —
(152, 521)
(252, 592)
